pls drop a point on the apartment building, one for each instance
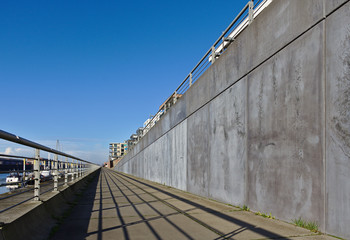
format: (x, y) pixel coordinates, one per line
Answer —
(117, 150)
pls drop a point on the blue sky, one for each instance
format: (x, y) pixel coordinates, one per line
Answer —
(91, 72)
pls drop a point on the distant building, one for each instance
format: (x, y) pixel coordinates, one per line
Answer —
(133, 140)
(8, 164)
(146, 123)
(149, 123)
(117, 150)
(139, 132)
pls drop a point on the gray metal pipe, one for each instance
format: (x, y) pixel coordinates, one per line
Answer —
(13, 138)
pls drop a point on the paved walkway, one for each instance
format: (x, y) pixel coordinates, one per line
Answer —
(118, 206)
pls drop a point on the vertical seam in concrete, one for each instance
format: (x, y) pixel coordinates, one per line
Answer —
(246, 143)
(187, 155)
(325, 120)
(209, 150)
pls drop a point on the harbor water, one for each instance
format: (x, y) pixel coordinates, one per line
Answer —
(5, 189)
(3, 180)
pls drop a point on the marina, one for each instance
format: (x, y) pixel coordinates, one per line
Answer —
(17, 172)
(3, 189)
(13, 181)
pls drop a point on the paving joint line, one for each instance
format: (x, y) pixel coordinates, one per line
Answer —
(179, 210)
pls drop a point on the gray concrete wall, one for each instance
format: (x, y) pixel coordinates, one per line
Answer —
(338, 121)
(285, 131)
(267, 125)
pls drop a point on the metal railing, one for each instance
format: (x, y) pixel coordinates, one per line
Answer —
(67, 170)
(250, 11)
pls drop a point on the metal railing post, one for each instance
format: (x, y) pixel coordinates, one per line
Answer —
(251, 11)
(24, 171)
(213, 54)
(75, 169)
(190, 79)
(37, 175)
(55, 174)
(78, 169)
(73, 173)
(175, 97)
(66, 173)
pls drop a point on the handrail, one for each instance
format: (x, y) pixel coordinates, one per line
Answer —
(73, 169)
(14, 156)
(215, 43)
(22, 157)
(234, 28)
(16, 139)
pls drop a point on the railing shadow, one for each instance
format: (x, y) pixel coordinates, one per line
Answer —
(187, 236)
(243, 225)
(112, 182)
(76, 223)
(90, 219)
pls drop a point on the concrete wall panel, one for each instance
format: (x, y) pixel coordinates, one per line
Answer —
(178, 112)
(136, 149)
(145, 141)
(165, 124)
(338, 122)
(224, 72)
(279, 24)
(285, 127)
(198, 94)
(125, 168)
(333, 4)
(179, 156)
(227, 144)
(166, 153)
(146, 163)
(141, 164)
(149, 159)
(198, 152)
(158, 158)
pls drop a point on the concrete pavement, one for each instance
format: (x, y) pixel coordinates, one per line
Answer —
(118, 206)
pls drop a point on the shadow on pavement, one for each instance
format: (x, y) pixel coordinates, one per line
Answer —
(244, 225)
